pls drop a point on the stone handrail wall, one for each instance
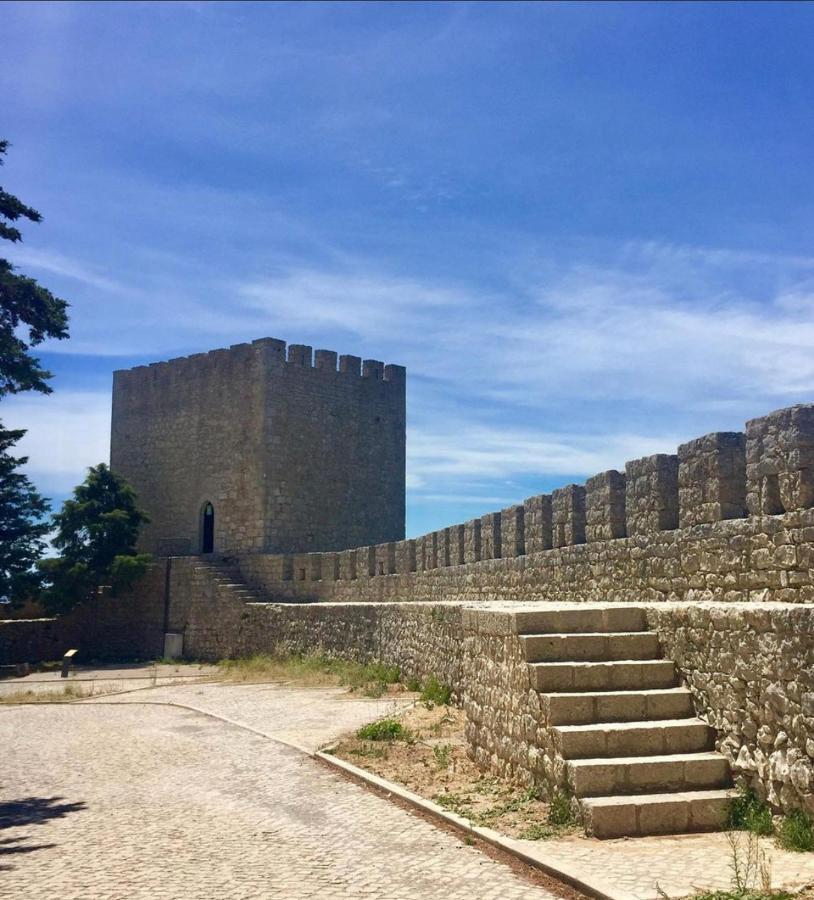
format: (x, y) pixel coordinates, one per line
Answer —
(716, 480)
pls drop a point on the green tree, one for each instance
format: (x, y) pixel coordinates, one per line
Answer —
(29, 313)
(96, 534)
(23, 524)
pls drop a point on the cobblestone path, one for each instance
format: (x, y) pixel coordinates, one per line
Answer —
(116, 800)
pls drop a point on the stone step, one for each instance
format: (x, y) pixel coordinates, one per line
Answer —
(633, 816)
(612, 739)
(580, 618)
(645, 774)
(586, 708)
(590, 647)
(616, 675)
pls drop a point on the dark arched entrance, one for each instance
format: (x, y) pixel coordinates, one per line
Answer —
(208, 530)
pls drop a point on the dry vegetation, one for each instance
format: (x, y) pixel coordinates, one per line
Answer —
(424, 750)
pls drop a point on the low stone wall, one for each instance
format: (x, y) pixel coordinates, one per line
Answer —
(129, 626)
(751, 672)
(33, 640)
(505, 723)
(761, 558)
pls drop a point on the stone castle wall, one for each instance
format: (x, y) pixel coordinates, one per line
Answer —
(729, 517)
(750, 666)
(296, 451)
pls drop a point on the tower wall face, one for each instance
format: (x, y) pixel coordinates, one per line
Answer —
(335, 451)
(293, 457)
(187, 432)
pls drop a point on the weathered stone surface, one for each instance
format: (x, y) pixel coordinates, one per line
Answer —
(490, 536)
(472, 541)
(605, 506)
(568, 515)
(385, 559)
(780, 461)
(712, 478)
(751, 672)
(651, 494)
(405, 557)
(293, 457)
(537, 517)
(512, 532)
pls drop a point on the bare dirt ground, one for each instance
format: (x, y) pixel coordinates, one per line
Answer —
(430, 760)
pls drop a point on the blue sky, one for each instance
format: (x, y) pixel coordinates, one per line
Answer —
(584, 228)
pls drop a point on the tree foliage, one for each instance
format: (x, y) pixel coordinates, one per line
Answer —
(29, 313)
(23, 523)
(96, 534)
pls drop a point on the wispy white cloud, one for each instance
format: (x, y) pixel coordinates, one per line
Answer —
(59, 264)
(66, 432)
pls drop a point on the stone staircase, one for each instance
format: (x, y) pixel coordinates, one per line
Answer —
(226, 578)
(637, 759)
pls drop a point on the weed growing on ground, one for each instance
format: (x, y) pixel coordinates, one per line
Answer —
(384, 730)
(436, 693)
(68, 693)
(560, 810)
(539, 832)
(413, 684)
(370, 752)
(312, 669)
(751, 867)
(455, 803)
(743, 895)
(747, 812)
(796, 832)
(442, 752)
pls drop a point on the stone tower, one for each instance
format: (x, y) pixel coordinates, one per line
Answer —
(250, 449)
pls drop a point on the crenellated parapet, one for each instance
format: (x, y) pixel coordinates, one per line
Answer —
(767, 471)
(270, 353)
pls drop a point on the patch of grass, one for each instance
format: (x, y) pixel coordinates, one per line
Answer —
(435, 692)
(456, 803)
(68, 693)
(539, 832)
(313, 670)
(413, 684)
(370, 752)
(442, 752)
(560, 810)
(384, 730)
(796, 832)
(747, 812)
(743, 895)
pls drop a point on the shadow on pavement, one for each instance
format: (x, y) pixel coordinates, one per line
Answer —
(35, 810)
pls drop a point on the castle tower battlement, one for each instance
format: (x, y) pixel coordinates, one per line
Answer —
(260, 446)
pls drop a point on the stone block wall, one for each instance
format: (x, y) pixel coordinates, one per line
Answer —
(780, 461)
(751, 671)
(472, 539)
(537, 519)
(712, 478)
(490, 536)
(292, 453)
(651, 494)
(512, 532)
(405, 557)
(568, 516)
(605, 506)
(385, 559)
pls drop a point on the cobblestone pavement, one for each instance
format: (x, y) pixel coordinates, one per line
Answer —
(650, 868)
(115, 800)
(306, 717)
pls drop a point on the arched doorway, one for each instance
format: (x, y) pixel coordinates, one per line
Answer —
(208, 529)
